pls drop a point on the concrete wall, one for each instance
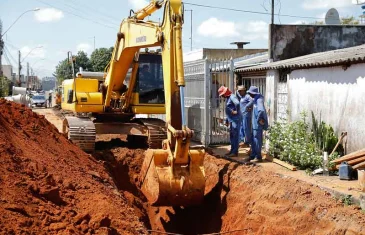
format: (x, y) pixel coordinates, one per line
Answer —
(7, 71)
(291, 41)
(272, 79)
(338, 94)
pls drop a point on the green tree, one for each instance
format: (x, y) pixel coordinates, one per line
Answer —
(4, 86)
(100, 58)
(81, 60)
(64, 67)
(349, 20)
(63, 71)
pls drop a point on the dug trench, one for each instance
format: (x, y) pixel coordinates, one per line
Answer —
(238, 200)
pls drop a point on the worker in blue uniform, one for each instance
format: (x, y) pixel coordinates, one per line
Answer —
(246, 104)
(240, 94)
(233, 119)
(259, 122)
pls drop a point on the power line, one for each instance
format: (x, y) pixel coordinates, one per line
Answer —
(9, 54)
(71, 13)
(7, 58)
(81, 10)
(96, 10)
(251, 12)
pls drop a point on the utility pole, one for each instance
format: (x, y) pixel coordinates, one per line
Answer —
(94, 43)
(19, 67)
(191, 29)
(272, 30)
(1, 48)
(27, 75)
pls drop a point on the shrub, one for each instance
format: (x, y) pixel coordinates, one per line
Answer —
(296, 144)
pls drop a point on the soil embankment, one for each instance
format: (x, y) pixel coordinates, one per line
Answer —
(48, 185)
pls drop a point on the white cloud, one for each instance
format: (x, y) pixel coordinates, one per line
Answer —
(48, 15)
(84, 47)
(214, 27)
(138, 4)
(33, 51)
(299, 22)
(255, 30)
(322, 4)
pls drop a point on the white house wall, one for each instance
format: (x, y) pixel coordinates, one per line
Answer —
(338, 94)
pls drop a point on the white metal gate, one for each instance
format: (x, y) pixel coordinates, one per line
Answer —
(282, 101)
(221, 74)
(204, 110)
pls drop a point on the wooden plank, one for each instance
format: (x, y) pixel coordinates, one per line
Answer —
(358, 166)
(284, 164)
(268, 157)
(354, 162)
(350, 156)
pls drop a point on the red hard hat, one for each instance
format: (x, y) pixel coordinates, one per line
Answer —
(222, 90)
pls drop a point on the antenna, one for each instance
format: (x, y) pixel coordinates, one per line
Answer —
(332, 17)
(358, 2)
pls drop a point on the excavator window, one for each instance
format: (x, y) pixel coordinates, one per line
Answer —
(150, 80)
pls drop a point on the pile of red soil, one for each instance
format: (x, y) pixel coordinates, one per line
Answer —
(50, 186)
(248, 200)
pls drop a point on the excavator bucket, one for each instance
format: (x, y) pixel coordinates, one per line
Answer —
(180, 185)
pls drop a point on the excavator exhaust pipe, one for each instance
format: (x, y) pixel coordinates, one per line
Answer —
(180, 185)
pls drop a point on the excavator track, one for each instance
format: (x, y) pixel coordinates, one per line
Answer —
(81, 131)
(157, 131)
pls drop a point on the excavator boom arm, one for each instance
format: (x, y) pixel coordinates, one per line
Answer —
(173, 175)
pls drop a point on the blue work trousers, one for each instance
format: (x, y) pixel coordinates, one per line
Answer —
(246, 126)
(234, 134)
(256, 144)
(242, 132)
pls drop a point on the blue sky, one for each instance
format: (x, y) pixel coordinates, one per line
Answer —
(71, 25)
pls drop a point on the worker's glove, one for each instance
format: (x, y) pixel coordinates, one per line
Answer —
(262, 122)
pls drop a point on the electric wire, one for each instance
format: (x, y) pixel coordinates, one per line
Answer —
(96, 10)
(219, 233)
(251, 12)
(7, 58)
(85, 12)
(71, 13)
(9, 54)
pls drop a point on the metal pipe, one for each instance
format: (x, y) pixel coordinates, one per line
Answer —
(182, 99)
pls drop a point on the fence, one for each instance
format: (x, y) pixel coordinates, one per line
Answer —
(204, 109)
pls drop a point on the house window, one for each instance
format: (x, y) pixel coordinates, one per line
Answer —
(283, 75)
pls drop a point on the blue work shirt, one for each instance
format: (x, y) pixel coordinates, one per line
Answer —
(259, 112)
(245, 103)
(233, 104)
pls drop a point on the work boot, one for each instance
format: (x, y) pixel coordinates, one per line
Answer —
(257, 160)
(232, 155)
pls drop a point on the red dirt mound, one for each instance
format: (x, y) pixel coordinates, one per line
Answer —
(50, 186)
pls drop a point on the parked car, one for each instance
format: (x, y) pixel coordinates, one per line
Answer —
(39, 100)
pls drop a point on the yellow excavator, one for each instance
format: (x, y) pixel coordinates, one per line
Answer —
(142, 83)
